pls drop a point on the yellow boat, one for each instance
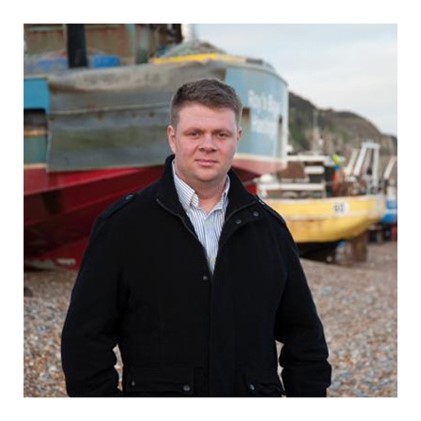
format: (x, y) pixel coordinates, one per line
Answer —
(329, 219)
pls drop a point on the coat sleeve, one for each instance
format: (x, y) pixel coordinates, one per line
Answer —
(306, 371)
(90, 330)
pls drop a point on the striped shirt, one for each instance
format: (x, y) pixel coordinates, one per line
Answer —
(208, 226)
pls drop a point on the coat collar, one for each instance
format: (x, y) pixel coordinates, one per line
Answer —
(239, 197)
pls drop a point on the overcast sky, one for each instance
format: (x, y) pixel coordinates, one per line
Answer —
(349, 67)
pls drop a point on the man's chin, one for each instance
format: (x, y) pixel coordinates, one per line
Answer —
(210, 177)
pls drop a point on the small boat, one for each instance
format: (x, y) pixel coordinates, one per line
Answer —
(325, 204)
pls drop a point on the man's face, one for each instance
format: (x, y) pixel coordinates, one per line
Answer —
(204, 142)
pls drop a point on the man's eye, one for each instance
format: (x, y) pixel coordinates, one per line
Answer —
(222, 135)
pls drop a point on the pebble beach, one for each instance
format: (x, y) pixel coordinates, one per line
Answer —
(357, 305)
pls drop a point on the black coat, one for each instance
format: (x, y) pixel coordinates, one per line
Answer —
(145, 285)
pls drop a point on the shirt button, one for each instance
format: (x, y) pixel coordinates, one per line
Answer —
(186, 388)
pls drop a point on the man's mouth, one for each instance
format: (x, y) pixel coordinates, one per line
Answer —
(206, 162)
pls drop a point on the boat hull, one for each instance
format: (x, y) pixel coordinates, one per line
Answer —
(60, 209)
(333, 219)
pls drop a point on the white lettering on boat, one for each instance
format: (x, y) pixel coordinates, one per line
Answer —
(266, 113)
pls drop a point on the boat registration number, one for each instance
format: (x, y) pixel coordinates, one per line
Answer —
(340, 208)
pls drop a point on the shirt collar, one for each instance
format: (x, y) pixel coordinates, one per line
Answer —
(188, 196)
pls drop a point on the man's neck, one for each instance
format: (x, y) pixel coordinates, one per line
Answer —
(209, 196)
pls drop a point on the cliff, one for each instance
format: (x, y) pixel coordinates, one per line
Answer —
(340, 131)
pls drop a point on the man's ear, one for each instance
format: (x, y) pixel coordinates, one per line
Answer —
(171, 138)
(239, 134)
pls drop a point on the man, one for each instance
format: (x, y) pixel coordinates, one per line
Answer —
(194, 279)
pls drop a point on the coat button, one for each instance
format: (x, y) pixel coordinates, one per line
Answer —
(238, 221)
(255, 213)
(129, 196)
(252, 387)
(186, 388)
(205, 278)
(132, 383)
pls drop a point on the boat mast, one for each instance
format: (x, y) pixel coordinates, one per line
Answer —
(317, 141)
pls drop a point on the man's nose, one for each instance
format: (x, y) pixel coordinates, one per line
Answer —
(208, 142)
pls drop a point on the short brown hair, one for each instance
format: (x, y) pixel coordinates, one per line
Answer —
(210, 92)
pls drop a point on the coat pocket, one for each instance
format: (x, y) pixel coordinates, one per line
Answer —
(160, 382)
(264, 384)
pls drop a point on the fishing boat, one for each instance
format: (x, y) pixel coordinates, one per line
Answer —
(92, 135)
(325, 205)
